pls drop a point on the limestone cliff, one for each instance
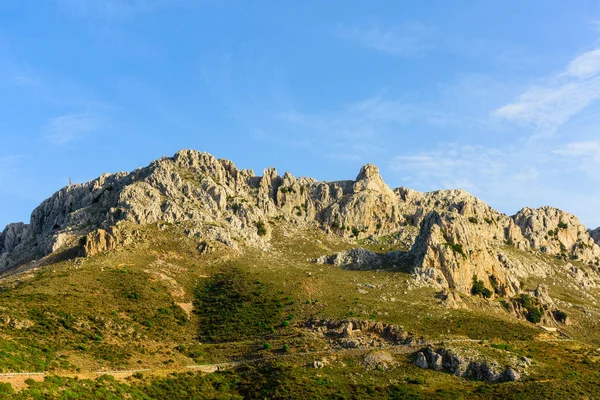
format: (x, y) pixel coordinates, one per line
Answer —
(459, 236)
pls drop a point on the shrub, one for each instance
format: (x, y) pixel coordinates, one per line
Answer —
(479, 288)
(535, 314)
(355, 231)
(457, 248)
(267, 346)
(261, 230)
(562, 225)
(285, 348)
(473, 220)
(6, 388)
(560, 316)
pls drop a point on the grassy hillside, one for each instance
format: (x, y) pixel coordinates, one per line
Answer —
(162, 306)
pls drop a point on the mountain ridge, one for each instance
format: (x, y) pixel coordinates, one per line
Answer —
(452, 235)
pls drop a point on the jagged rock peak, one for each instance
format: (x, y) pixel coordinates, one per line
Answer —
(368, 171)
(369, 179)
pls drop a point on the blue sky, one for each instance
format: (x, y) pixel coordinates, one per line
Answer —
(498, 97)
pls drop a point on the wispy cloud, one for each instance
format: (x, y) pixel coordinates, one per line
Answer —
(409, 39)
(586, 149)
(552, 102)
(68, 128)
(452, 166)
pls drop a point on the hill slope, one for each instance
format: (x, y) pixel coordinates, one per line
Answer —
(191, 262)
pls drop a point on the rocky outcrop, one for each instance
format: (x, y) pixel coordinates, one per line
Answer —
(357, 333)
(100, 241)
(556, 232)
(470, 364)
(362, 259)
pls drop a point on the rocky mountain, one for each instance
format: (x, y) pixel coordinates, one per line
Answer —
(451, 235)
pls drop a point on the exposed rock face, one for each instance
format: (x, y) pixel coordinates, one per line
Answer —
(556, 232)
(468, 364)
(362, 259)
(595, 234)
(459, 236)
(100, 241)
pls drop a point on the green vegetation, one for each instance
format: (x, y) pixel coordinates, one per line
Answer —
(257, 305)
(562, 225)
(479, 289)
(232, 308)
(261, 230)
(473, 220)
(560, 316)
(457, 248)
(534, 311)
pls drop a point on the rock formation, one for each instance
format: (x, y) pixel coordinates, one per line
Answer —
(451, 235)
(595, 234)
(466, 363)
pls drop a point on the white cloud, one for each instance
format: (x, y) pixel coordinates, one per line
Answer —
(586, 65)
(409, 40)
(585, 149)
(68, 128)
(555, 100)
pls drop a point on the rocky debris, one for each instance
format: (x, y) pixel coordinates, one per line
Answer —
(469, 364)
(206, 248)
(362, 259)
(360, 333)
(21, 324)
(585, 279)
(421, 361)
(451, 299)
(378, 359)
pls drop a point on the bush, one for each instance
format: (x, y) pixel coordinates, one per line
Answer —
(473, 220)
(560, 316)
(457, 248)
(479, 288)
(6, 388)
(535, 314)
(267, 346)
(261, 230)
(355, 231)
(562, 225)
